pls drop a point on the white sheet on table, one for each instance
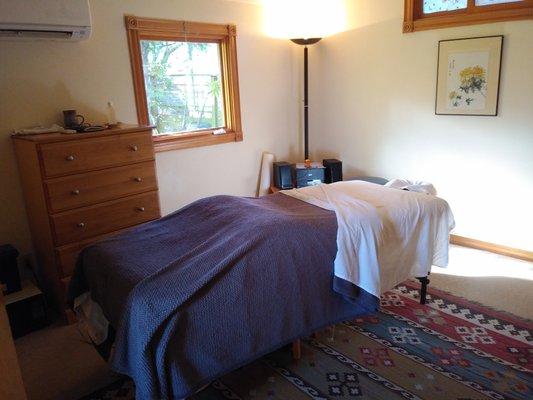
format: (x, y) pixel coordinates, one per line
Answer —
(384, 235)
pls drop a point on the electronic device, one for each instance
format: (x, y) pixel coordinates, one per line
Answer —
(333, 171)
(92, 128)
(282, 175)
(51, 20)
(9, 272)
(311, 175)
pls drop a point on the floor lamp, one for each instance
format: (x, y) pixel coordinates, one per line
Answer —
(305, 43)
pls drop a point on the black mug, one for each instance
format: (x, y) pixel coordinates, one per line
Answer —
(72, 120)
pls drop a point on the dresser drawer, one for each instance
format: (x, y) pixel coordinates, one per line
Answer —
(75, 225)
(95, 153)
(95, 187)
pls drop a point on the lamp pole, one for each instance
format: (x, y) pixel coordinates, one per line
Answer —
(305, 43)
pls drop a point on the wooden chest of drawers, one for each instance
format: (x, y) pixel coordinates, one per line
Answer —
(82, 188)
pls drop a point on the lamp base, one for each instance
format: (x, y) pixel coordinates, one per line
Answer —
(305, 42)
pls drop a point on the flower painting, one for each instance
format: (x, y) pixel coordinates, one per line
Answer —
(468, 76)
(467, 80)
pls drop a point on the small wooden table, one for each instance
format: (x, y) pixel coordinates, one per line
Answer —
(273, 189)
(11, 385)
(27, 309)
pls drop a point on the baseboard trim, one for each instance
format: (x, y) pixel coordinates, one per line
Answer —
(492, 247)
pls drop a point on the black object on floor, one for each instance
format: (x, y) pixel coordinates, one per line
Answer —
(9, 272)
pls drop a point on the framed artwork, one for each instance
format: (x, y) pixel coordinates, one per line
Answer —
(468, 76)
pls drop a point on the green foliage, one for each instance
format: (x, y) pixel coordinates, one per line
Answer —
(165, 104)
(170, 107)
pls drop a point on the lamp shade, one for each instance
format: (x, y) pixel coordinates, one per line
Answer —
(290, 19)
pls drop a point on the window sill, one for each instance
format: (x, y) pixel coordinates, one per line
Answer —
(194, 139)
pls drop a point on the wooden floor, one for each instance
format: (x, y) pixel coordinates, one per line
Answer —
(493, 280)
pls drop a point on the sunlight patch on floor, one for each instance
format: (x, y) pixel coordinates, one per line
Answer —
(471, 262)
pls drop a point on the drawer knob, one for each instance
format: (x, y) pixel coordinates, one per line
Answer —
(140, 209)
(75, 192)
(138, 179)
(134, 147)
(81, 225)
(70, 158)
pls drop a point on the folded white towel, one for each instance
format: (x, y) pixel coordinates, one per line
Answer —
(412, 186)
(41, 129)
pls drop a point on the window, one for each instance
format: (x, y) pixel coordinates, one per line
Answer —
(186, 81)
(433, 14)
(182, 82)
(433, 6)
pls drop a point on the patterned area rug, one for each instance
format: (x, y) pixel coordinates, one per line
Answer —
(449, 348)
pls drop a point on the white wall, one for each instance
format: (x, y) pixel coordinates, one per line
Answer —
(373, 107)
(39, 79)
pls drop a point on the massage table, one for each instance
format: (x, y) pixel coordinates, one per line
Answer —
(215, 285)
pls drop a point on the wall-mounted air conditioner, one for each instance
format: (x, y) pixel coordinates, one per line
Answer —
(45, 19)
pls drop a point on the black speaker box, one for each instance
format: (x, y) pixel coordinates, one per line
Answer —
(9, 273)
(282, 175)
(333, 170)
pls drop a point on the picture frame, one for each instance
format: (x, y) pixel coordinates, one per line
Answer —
(468, 76)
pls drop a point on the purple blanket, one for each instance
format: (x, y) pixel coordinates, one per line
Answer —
(215, 285)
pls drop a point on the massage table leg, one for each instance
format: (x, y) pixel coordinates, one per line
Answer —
(424, 281)
(296, 349)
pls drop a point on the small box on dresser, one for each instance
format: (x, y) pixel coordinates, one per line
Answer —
(80, 188)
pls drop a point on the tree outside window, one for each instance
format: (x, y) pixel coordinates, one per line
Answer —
(183, 85)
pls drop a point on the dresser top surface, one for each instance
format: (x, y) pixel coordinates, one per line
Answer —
(63, 137)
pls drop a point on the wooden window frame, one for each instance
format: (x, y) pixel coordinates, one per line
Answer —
(160, 29)
(416, 20)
